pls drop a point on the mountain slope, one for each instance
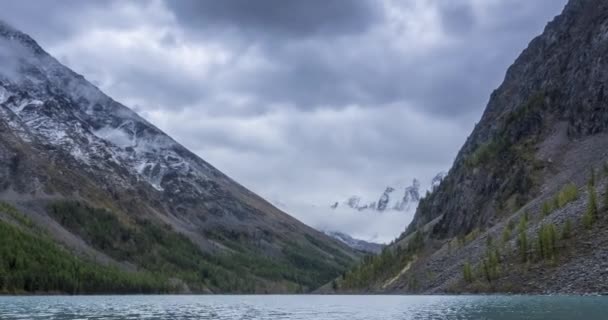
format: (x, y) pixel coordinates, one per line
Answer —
(105, 184)
(357, 244)
(522, 208)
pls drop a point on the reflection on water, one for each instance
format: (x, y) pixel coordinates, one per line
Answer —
(304, 307)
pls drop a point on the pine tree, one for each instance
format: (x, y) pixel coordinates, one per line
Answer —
(591, 181)
(522, 239)
(567, 230)
(547, 241)
(506, 235)
(567, 194)
(417, 242)
(491, 263)
(556, 202)
(546, 210)
(591, 213)
(467, 272)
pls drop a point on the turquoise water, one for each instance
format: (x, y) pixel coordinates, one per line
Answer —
(304, 307)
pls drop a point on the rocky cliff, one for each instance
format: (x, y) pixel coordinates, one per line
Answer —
(521, 209)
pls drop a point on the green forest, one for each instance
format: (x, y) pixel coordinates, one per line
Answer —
(167, 261)
(32, 262)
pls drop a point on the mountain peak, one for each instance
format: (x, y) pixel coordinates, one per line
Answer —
(392, 199)
(9, 33)
(63, 139)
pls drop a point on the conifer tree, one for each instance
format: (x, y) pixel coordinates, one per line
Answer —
(522, 239)
(546, 210)
(591, 181)
(547, 242)
(467, 272)
(591, 213)
(567, 230)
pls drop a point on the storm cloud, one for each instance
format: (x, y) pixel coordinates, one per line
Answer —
(279, 18)
(304, 102)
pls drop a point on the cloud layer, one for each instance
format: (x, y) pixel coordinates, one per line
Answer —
(304, 102)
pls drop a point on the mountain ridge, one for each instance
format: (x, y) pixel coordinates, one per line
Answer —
(519, 211)
(407, 197)
(357, 244)
(62, 139)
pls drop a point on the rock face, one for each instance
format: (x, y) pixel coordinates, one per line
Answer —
(556, 87)
(357, 244)
(62, 138)
(545, 127)
(437, 180)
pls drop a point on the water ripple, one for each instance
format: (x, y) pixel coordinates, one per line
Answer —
(302, 307)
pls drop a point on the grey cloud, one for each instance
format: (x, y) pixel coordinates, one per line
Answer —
(331, 67)
(160, 85)
(515, 16)
(155, 82)
(319, 75)
(285, 18)
(48, 21)
(10, 55)
(318, 100)
(456, 16)
(335, 71)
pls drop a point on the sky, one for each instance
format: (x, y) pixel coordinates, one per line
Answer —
(305, 102)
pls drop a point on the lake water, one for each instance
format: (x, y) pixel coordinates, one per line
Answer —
(304, 307)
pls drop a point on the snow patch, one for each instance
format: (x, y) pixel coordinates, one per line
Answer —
(123, 137)
(4, 94)
(26, 103)
(52, 135)
(79, 155)
(115, 136)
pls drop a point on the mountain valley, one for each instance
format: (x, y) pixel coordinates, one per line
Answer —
(92, 191)
(524, 207)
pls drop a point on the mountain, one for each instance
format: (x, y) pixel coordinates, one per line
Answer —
(393, 198)
(524, 207)
(357, 244)
(436, 181)
(122, 205)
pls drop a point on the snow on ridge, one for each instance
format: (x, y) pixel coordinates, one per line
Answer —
(26, 103)
(92, 128)
(4, 95)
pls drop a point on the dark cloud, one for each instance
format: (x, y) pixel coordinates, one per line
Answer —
(48, 21)
(331, 69)
(305, 102)
(285, 18)
(456, 16)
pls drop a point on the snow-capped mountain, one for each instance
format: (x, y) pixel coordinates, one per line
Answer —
(46, 102)
(378, 220)
(357, 244)
(63, 138)
(393, 198)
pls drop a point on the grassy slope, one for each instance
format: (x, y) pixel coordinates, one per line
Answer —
(31, 262)
(166, 259)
